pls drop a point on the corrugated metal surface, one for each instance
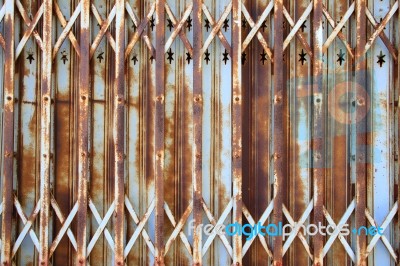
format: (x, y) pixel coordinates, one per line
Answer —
(124, 121)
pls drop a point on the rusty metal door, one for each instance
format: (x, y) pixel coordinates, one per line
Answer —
(127, 122)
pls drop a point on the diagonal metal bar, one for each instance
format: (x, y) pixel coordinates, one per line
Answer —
(298, 24)
(213, 234)
(336, 233)
(102, 227)
(299, 36)
(217, 28)
(338, 28)
(178, 227)
(71, 36)
(2, 12)
(144, 34)
(178, 28)
(384, 225)
(27, 226)
(139, 31)
(296, 230)
(31, 24)
(104, 27)
(262, 220)
(67, 30)
(255, 29)
(140, 227)
(2, 42)
(65, 226)
(100, 21)
(381, 33)
(30, 30)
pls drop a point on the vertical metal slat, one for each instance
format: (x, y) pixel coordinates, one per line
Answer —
(279, 131)
(360, 67)
(119, 131)
(318, 136)
(45, 132)
(8, 133)
(159, 131)
(197, 129)
(237, 125)
(83, 131)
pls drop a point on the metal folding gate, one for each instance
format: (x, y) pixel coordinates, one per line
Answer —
(125, 122)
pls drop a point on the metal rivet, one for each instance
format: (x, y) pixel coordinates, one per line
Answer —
(198, 155)
(237, 99)
(83, 97)
(196, 99)
(44, 155)
(83, 154)
(81, 261)
(360, 102)
(159, 98)
(9, 98)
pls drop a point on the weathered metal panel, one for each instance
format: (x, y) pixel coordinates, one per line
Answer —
(127, 124)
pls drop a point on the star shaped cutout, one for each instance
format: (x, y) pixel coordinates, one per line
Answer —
(225, 58)
(188, 57)
(226, 24)
(170, 57)
(263, 57)
(100, 56)
(243, 58)
(207, 56)
(169, 24)
(134, 59)
(207, 26)
(340, 57)
(30, 57)
(302, 57)
(381, 61)
(152, 23)
(189, 23)
(303, 26)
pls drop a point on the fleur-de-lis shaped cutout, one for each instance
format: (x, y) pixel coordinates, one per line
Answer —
(207, 25)
(381, 61)
(30, 56)
(226, 24)
(188, 57)
(134, 59)
(264, 25)
(64, 57)
(100, 56)
(169, 24)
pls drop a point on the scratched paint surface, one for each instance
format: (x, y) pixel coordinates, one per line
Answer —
(124, 122)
